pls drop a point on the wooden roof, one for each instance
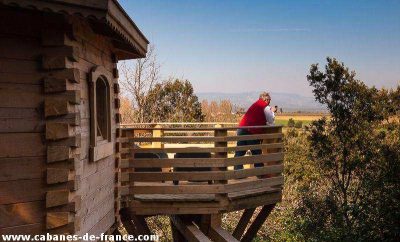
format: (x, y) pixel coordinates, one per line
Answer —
(107, 17)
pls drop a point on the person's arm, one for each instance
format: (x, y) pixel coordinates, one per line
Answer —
(269, 115)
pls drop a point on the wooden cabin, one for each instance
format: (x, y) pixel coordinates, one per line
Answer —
(67, 165)
(59, 113)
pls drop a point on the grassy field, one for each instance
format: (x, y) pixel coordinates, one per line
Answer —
(306, 119)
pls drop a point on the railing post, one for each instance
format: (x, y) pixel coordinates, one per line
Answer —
(220, 133)
(265, 150)
(157, 133)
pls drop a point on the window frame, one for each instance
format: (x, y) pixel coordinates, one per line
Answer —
(100, 149)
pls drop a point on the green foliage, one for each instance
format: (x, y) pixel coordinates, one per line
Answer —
(173, 101)
(356, 162)
(291, 123)
(298, 125)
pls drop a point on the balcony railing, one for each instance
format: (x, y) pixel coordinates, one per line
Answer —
(189, 168)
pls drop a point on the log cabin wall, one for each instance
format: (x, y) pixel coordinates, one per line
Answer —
(47, 182)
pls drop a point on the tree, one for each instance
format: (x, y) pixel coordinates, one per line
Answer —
(173, 101)
(137, 80)
(357, 161)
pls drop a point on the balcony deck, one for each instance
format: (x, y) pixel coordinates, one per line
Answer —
(189, 170)
(186, 171)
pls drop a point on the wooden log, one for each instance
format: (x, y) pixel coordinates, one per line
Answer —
(54, 85)
(31, 229)
(73, 119)
(55, 131)
(21, 145)
(17, 214)
(71, 74)
(71, 52)
(53, 107)
(20, 95)
(56, 62)
(56, 175)
(22, 168)
(258, 222)
(57, 198)
(116, 88)
(58, 219)
(58, 153)
(242, 224)
(30, 190)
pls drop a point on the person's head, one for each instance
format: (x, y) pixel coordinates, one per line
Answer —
(265, 97)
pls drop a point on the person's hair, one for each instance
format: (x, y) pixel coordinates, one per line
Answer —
(264, 95)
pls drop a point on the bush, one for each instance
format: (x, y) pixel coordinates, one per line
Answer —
(298, 124)
(291, 123)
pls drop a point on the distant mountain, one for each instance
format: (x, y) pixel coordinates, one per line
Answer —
(289, 102)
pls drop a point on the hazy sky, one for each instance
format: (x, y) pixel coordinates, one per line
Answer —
(235, 46)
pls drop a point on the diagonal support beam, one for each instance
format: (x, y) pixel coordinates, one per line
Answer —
(188, 229)
(244, 220)
(218, 234)
(258, 222)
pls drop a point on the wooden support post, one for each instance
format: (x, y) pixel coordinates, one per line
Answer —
(220, 133)
(158, 133)
(126, 220)
(141, 224)
(244, 220)
(258, 222)
(176, 235)
(206, 221)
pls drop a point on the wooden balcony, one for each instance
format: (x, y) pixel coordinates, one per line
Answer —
(176, 169)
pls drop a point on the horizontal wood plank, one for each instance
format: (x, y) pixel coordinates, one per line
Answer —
(204, 175)
(202, 149)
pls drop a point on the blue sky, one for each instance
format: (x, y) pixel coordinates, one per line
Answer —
(236, 46)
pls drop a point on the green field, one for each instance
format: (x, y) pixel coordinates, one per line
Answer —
(306, 119)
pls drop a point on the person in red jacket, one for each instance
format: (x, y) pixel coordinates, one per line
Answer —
(259, 114)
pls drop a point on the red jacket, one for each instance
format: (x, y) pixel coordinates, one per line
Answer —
(255, 116)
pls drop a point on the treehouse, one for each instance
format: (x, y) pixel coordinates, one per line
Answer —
(67, 164)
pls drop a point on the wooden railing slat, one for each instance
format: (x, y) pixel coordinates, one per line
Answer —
(199, 162)
(202, 149)
(204, 175)
(191, 139)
